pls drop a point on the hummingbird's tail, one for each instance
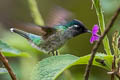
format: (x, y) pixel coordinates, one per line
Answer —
(34, 39)
(20, 32)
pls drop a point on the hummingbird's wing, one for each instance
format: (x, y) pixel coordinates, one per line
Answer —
(58, 16)
(31, 28)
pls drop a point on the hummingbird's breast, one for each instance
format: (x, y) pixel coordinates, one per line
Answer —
(54, 42)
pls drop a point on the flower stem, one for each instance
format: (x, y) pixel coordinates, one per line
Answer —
(102, 25)
(37, 18)
(95, 47)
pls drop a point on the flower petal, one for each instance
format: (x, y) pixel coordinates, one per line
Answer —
(91, 39)
(95, 29)
(94, 36)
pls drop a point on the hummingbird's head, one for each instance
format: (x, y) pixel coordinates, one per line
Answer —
(78, 27)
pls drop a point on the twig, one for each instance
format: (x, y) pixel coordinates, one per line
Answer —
(7, 66)
(115, 71)
(118, 76)
(113, 67)
(118, 70)
(95, 47)
(118, 67)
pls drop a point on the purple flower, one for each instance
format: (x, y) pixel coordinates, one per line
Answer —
(95, 36)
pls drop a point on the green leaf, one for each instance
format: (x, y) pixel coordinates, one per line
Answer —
(51, 67)
(3, 70)
(10, 51)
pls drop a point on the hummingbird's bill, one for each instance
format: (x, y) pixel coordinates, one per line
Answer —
(20, 32)
(89, 31)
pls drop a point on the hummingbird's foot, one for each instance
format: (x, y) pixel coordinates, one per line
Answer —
(54, 53)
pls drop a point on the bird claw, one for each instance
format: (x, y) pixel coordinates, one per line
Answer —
(54, 53)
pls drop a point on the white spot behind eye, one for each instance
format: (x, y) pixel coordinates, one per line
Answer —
(75, 25)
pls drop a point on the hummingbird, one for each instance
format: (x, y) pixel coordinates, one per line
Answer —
(53, 37)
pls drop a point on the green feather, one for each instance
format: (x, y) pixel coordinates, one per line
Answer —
(35, 39)
(66, 26)
(61, 27)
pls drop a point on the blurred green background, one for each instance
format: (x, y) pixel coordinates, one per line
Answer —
(18, 10)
